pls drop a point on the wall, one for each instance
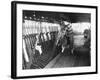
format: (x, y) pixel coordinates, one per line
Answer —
(5, 40)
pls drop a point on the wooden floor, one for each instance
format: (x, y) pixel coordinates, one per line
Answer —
(80, 57)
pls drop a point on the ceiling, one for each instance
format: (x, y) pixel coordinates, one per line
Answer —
(72, 17)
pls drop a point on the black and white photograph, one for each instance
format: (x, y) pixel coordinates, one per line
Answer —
(54, 39)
